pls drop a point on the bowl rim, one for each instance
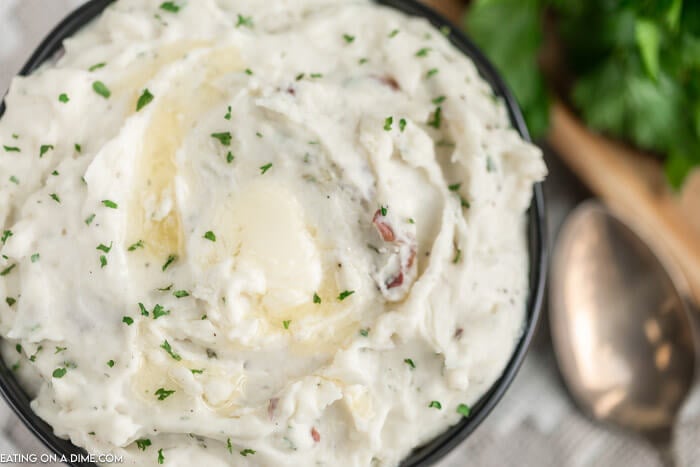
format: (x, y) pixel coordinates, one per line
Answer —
(437, 448)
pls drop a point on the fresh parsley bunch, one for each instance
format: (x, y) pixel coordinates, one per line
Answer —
(635, 64)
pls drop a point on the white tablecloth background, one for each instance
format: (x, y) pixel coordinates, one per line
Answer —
(535, 424)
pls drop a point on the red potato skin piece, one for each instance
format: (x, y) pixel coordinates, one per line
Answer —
(315, 435)
(385, 231)
(396, 281)
(389, 81)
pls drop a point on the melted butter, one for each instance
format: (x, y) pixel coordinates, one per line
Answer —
(153, 214)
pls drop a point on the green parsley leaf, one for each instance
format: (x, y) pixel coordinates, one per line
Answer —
(55, 197)
(363, 60)
(393, 33)
(316, 75)
(100, 88)
(402, 124)
(249, 72)
(197, 372)
(410, 363)
(97, 66)
(458, 256)
(423, 52)
(348, 38)
(110, 363)
(10, 301)
(143, 310)
(246, 21)
(14, 180)
(436, 120)
(136, 246)
(11, 149)
(384, 210)
(247, 452)
(5, 235)
(78, 148)
(286, 323)
(59, 373)
(209, 235)
(89, 219)
(435, 405)
(439, 100)
(465, 204)
(364, 332)
(59, 350)
(7, 270)
(103, 261)
(317, 299)
(166, 289)
(224, 137)
(163, 393)
(432, 72)
(345, 294)
(464, 410)
(171, 259)
(388, 123)
(265, 168)
(229, 446)
(127, 320)
(145, 99)
(63, 98)
(229, 157)
(455, 187)
(161, 457)
(18, 348)
(490, 164)
(35, 257)
(228, 114)
(166, 346)
(105, 248)
(55, 173)
(300, 76)
(181, 293)
(143, 443)
(159, 311)
(109, 204)
(171, 7)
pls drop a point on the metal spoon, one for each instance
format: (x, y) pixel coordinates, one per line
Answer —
(621, 330)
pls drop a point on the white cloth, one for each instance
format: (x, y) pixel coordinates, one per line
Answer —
(535, 425)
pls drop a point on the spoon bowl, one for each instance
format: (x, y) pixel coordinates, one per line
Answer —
(621, 330)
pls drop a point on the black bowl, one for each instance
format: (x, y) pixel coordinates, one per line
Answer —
(431, 452)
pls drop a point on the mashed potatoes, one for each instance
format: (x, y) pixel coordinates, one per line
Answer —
(238, 232)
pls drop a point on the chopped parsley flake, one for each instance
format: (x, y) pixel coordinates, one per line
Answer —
(316, 75)
(249, 72)
(464, 410)
(363, 60)
(163, 393)
(247, 452)
(5, 235)
(286, 323)
(229, 446)
(60, 349)
(246, 21)
(59, 373)
(105, 248)
(402, 124)
(161, 458)
(15, 367)
(166, 289)
(435, 405)
(229, 157)
(393, 33)
(18, 348)
(145, 99)
(143, 443)
(15, 136)
(127, 320)
(224, 137)
(166, 346)
(439, 100)
(387, 123)
(258, 134)
(55, 197)
(228, 113)
(159, 311)
(10, 301)
(100, 88)
(55, 173)
(35, 257)
(436, 120)
(410, 363)
(458, 256)
(143, 310)
(103, 261)
(14, 180)
(423, 52)
(89, 219)
(455, 187)
(78, 148)
(7, 270)
(181, 293)
(97, 66)
(364, 332)
(465, 204)
(411, 220)
(44, 149)
(110, 363)
(109, 204)
(432, 72)
(348, 38)
(384, 210)
(196, 371)
(11, 149)
(171, 7)
(265, 168)
(345, 294)
(136, 246)
(490, 165)
(209, 235)
(171, 259)
(317, 299)
(63, 98)
(300, 76)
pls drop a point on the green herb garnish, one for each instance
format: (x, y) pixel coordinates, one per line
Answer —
(5, 235)
(171, 259)
(63, 98)
(410, 363)
(348, 38)
(89, 219)
(402, 124)
(224, 137)
(109, 204)
(265, 168)
(100, 88)
(436, 120)
(286, 323)
(136, 246)
(364, 332)
(55, 197)
(97, 66)
(143, 443)
(435, 405)
(11, 149)
(159, 311)
(388, 123)
(10, 301)
(161, 457)
(345, 294)
(105, 248)
(145, 99)
(393, 33)
(171, 7)
(35, 257)
(246, 21)
(110, 363)
(317, 299)
(209, 235)
(423, 52)
(455, 187)
(464, 410)
(228, 114)
(163, 393)
(247, 452)
(127, 320)
(59, 373)
(432, 72)
(181, 293)
(166, 346)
